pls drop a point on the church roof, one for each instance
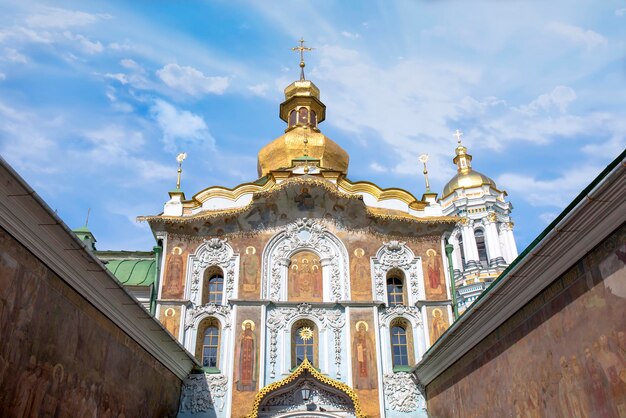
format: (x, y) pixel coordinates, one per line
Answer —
(133, 272)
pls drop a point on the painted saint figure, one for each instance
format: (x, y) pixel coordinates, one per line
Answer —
(358, 267)
(434, 272)
(438, 325)
(173, 286)
(362, 351)
(247, 357)
(250, 269)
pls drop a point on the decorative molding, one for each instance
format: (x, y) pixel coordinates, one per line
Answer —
(329, 318)
(401, 392)
(395, 254)
(385, 315)
(305, 234)
(212, 252)
(196, 313)
(202, 392)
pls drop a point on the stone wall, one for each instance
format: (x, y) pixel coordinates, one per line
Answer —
(562, 355)
(61, 357)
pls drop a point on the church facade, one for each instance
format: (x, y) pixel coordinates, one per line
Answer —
(303, 293)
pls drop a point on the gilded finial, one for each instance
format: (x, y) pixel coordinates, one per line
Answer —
(302, 49)
(458, 135)
(424, 159)
(180, 158)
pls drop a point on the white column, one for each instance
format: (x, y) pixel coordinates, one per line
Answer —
(511, 241)
(469, 244)
(493, 242)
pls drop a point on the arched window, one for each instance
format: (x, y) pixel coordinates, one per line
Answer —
(292, 118)
(213, 288)
(395, 288)
(462, 251)
(208, 342)
(313, 118)
(303, 347)
(399, 345)
(303, 119)
(480, 246)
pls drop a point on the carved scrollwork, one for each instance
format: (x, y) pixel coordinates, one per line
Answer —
(401, 392)
(329, 318)
(306, 234)
(395, 254)
(213, 252)
(196, 312)
(202, 392)
(386, 314)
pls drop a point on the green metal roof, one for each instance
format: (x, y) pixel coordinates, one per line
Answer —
(133, 272)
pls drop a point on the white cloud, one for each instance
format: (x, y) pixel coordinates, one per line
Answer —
(3, 76)
(575, 34)
(557, 192)
(560, 97)
(121, 77)
(350, 35)
(547, 217)
(84, 43)
(56, 18)
(130, 64)
(259, 89)
(374, 166)
(620, 12)
(191, 81)
(14, 55)
(180, 126)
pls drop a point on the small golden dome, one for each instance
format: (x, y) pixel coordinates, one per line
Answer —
(288, 147)
(302, 110)
(466, 177)
(467, 180)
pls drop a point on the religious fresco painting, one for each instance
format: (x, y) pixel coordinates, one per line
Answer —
(250, 249)
(364, 370)
(438, 322)
(580, 369)
(174, 283)
(434, 276)
(305, 278)
(294, 199)
(246, 372)
(361, 248)
(60, 357)
(170, 318)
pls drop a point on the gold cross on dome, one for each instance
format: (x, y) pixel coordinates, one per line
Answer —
(302, 49)
(458, 135)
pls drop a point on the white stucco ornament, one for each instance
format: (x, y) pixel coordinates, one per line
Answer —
(401, 393)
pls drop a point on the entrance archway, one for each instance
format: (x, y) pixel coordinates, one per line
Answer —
(306, 393)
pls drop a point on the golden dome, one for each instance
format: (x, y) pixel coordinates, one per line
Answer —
(466, 177)
(288, 147)
(466, 181)
(302, 110)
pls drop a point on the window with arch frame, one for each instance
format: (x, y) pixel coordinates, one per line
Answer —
(395, 288)
(303, 348)
(400, 355)
(208, 343)
(213, 289)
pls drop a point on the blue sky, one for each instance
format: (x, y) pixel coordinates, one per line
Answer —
(97, 98)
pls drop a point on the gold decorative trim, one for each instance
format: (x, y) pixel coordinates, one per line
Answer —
(306, 366)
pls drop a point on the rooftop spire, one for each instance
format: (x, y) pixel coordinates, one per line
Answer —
(462, 159)
(301, 48)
